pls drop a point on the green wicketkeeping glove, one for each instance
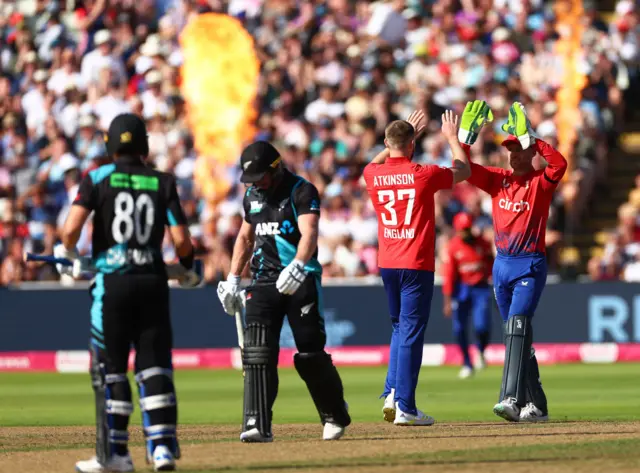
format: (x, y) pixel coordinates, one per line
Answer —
(476, 114)
(519, 125)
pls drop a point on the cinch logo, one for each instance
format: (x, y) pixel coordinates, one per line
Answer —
(521, 206)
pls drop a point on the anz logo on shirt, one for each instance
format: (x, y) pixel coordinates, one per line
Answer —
(274, 228)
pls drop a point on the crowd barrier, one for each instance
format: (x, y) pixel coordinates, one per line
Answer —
(45, 329)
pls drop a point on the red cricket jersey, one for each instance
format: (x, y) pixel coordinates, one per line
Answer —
(520, 203)
(468, 263)
(402, 194)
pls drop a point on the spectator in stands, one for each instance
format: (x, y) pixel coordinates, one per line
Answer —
(333, 75)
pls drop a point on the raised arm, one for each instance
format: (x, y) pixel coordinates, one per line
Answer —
(461, 168)
(485, 178)
(557, 164)
(419, 122)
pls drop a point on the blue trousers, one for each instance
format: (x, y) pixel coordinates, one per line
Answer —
(518, 282)
(474, 301)
(409, 293)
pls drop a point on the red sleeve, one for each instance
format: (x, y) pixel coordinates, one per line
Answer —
(435, 178)
(449, 270)
(369, 169)
(554, 172)
(486, 178)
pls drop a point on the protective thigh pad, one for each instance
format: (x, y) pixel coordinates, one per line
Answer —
(518, 338)
(535, 393)
(257, 380)
(159, 408)
(113, 407)
(325, 386)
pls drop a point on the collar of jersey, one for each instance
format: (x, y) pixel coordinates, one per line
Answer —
(522, 177)
(131, 160)
(397, 160)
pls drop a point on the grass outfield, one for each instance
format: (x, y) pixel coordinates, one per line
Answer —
(575, 392)
(47, 424)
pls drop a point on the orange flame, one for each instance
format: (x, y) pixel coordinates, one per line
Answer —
(220, 75)
(570, 27)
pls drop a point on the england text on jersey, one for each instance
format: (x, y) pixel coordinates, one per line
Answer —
(402, 194)
(400, 233)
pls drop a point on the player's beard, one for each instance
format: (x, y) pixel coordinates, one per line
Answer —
(467, 236)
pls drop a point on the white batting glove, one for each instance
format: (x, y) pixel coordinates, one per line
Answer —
(59, 251)
(230, 295)
(291, 278)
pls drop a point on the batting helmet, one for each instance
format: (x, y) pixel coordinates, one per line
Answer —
(258, 159)
(127, 135)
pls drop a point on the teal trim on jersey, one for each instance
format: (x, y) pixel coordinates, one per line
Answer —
(293, 189)
(102, 263)
(98, 175)
(257, 253)
(172, 220)
(287, 252)
(97, 342)
(97, 334)
(96, 308)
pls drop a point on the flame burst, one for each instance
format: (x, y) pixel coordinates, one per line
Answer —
(220, 75)
(569, 14)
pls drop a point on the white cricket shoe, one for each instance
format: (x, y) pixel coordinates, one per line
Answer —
(332, 431)
(163, 459)
(254, 436)
(389, 407)
(465, 372)
(406, 419)
(530, 413)
(482, 363)
(508, 410)
(117, 463)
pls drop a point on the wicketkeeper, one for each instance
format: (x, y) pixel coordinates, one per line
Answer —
(520, 198)
(280, 235)
(132, 204)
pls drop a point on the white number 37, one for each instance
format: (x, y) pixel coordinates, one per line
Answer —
(389, 196)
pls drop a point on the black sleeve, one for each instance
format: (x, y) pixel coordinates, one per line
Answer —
(175, 214)
(86, 196)
(307, 200)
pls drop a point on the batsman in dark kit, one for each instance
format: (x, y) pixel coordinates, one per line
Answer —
(132, 204)
(281, 228)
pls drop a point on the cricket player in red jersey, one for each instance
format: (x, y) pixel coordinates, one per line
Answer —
(521, 198)
(467, 270)
(402, 193)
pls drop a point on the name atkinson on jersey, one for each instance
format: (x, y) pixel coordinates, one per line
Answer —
(393, 180)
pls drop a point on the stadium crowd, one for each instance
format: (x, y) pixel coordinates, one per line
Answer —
(334, 74)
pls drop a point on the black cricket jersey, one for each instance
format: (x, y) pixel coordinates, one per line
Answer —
(274, 218)
(132, 204)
